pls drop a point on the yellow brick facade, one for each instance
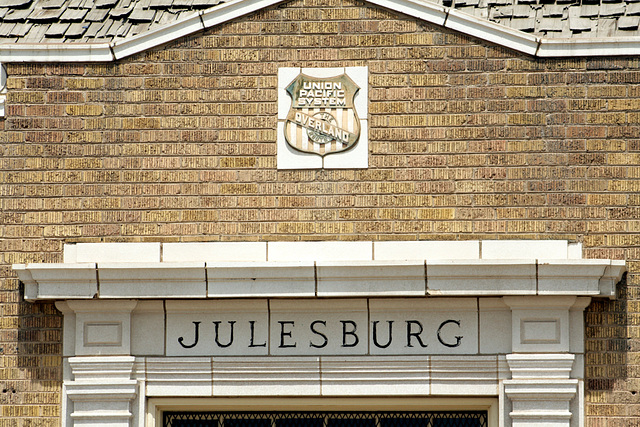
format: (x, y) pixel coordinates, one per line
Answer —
(468, 140)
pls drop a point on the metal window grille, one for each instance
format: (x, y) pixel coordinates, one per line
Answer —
(326, 419)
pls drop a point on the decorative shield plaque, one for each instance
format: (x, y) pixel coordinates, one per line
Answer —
(322, 119)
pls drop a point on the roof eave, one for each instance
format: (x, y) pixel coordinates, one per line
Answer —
(429, 12)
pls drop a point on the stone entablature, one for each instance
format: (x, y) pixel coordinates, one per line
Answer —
(324, 327)
(502, 319)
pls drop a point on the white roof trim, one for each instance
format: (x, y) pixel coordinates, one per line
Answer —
(615, 46)
(429, 12)
(149, 39)
(56, 52)
(492, 32)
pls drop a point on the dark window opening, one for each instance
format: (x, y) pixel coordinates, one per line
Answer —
(327, 419)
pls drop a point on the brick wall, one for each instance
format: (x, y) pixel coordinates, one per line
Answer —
(467, 141)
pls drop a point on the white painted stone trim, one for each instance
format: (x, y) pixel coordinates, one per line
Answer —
(332, 279)
(152, 280)
(261, 279)
(299, 376)
(537, 379)
(542, 402)
(371, 278)
(114, 390)
(380, 375)
(429, 12)
(101, 392)
(157, 405)
(139, 43)
(326, 269)
(113, 252)
(481, 277)
(536, 366)
(60, 281)
(321, 251)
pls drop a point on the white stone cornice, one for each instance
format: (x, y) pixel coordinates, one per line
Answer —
(560, 278)
(152, 280)
(370, 278)
(261, 279)
(58, 281)
(478, 277)
(481, 277)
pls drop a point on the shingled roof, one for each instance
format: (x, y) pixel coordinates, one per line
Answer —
(558, 18)
(82, 21)
(86, 21)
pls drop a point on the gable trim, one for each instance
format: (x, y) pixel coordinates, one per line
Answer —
(429, 12)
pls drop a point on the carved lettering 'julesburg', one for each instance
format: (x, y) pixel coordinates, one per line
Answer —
(348, 334)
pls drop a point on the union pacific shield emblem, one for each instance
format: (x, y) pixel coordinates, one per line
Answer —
(322, 118)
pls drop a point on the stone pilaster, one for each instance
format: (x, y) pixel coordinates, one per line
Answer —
(540, 390)
(102, 391)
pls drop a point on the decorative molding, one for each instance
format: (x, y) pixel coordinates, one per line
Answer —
(458, 375)
(152, 280)
(559, 278)
(537, 366)
(540, 325)
(328, 269)
(426, 11)
(545, 402)
(266, 376)
(371, 278)
(261, 279)
(58, 281)
(111, 319)
(166, 376)
(540, 390)
(101, 391)
(519, 345)
(380, 375)
(481, 277)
